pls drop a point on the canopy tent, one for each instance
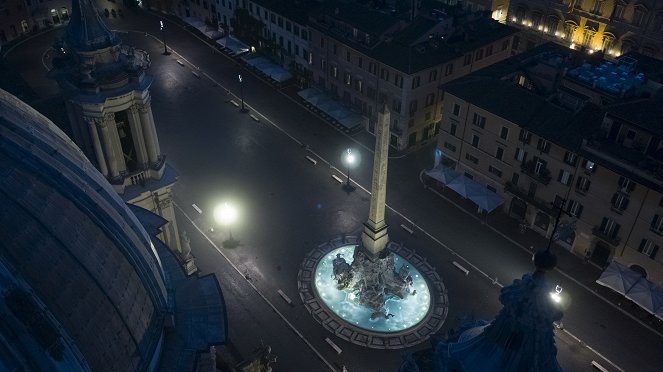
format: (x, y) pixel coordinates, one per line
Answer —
(641, 294)
(236, 46)
(344, 117)
(485, 199)
(443, 174)
(309, 92)
(462, 185)
(351, 121)
(255, 61)
(618, 277)
(280, 76)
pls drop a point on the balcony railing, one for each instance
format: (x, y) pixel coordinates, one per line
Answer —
(543, 175)
(614, 240)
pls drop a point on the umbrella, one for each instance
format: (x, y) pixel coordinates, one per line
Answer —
(443, 174)
(461, 185)
(484, 198)
(641, 294)
(618, 277)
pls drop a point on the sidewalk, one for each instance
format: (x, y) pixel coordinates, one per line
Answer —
(570, 265)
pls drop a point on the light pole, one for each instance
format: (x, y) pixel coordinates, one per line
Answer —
(241, 93)
(163, 36)
(349, 160)
(226, 214)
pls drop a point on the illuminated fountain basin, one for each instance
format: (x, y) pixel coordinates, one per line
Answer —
(401, 314)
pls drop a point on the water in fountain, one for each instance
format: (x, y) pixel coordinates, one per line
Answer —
(383, 295)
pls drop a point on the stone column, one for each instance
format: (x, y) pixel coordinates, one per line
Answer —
(109, 148)
(93, 123)
(375, 238)
(138, 138)
(115, 141)
(149, 133)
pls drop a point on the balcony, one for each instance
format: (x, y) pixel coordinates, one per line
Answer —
(530, 169)
(614, 240)
(521, 193)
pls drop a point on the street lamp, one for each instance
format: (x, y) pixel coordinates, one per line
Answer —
(241, 93)
(556, 295)
(163, 36)
(225, 214)
(349, 159)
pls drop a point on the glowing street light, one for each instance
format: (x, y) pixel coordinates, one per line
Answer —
(349, 159)
(163, 35)
(226, 214)
(556, 295)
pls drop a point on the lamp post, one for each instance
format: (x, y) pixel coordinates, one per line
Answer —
(349, 160)
(225, 214)
(163, 36)
(241, 93)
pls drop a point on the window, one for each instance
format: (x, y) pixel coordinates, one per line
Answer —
(564, 177)
(514, 178)
(619, 202)
(574, 208)
(543, 146)
(489, 50)
(521, 155)
(619, 11)
(505, 44)
(449, 69)
(347, 79)
(384, 74)
(452, 129)
(478, 55)
(609, 227)
(449, 146)
(638, 16)
(540, 166)
(499, 153)
(504, 133)
(648, 248)
(479, 121)
(589, 166)
(657, 224)
(456, 109)
(360, 62)
(398, 80)
(570, 158)
(467, 60)
(372, 68)
(430, 99)
(582, 184)
(495, 171)
(413, 106)
(525, 136)
(432, 76)
(334, 48)
(416, 81)
(334, 71)
(626, 185)
(472, 158)
(396, 105)
(475, 140)
(288, 26)
(348, 55)
(322, 41)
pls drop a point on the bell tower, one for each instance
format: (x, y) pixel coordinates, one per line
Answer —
(107, 95)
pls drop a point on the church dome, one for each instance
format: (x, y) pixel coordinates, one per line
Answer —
(81, 284)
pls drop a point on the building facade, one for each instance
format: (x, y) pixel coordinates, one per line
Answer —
(398, 60)
(614, 27)
(542, 145)
(15, 20)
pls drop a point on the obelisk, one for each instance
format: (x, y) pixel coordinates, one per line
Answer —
(375, 238)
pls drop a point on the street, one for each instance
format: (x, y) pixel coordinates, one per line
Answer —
(288, 205)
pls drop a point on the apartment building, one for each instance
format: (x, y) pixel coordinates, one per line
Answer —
(211, 12)
(613, 27)
(283, 33)
(15, 20)
(540, 144)
(366, 57)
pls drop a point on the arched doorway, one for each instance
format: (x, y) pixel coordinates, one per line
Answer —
(601, 253)
(542, 221)
(518, 209)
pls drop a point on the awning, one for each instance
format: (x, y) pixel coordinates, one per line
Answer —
(634, 286)
(235, 46)
(345, 118)
(485, 199)
(269, 68)
(466, 187)
(618, 277)
(443, 174)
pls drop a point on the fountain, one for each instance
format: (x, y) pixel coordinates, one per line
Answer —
(372, 291)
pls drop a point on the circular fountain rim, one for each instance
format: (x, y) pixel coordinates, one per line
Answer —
(411, 336)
